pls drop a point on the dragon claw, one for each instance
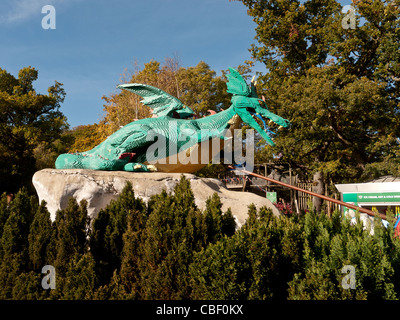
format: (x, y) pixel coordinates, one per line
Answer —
(152, 168)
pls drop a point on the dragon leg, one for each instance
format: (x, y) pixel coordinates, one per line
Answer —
(134, 142)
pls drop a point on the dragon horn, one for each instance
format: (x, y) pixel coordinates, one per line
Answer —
(253, 87)
(254, 81)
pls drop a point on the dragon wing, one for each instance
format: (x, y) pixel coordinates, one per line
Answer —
(161, 103)
(236, 84)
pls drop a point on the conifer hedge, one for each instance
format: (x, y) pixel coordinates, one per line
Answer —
(170, 249)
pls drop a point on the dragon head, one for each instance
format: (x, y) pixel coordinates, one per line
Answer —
(250, 107)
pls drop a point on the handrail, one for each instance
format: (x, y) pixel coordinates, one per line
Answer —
(348, 205)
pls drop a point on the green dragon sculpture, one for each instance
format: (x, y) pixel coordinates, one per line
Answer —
(126, 149)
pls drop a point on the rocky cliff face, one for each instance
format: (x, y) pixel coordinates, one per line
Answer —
(100, 187)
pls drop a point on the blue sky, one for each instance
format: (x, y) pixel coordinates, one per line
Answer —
(95, 40)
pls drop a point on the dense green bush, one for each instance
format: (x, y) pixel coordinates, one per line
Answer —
(169, 249)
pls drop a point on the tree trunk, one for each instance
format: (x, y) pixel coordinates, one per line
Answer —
(318, 187)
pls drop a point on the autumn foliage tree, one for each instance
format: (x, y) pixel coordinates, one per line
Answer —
(31, 126)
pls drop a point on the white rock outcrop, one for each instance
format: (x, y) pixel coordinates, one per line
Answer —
(56, 186)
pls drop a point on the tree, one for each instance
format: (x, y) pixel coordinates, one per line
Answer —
(39, 237)
(85, 137)
(197, 87)
(108, 232)
(167, 244)
(217, 223)
(80, 278)
(131, 254)
(15, 266)
(338, 87)
(4, 213)
(16, 228)
(158, 249)
(27, 286)
(30, 124)
(201, 89)
(71, 241)
(331, 244)
(254, 263)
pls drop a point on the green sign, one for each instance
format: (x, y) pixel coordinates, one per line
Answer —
(372, 197)
(271, 196)
(379, 197)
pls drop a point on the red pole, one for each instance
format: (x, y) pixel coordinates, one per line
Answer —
(348, 205)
